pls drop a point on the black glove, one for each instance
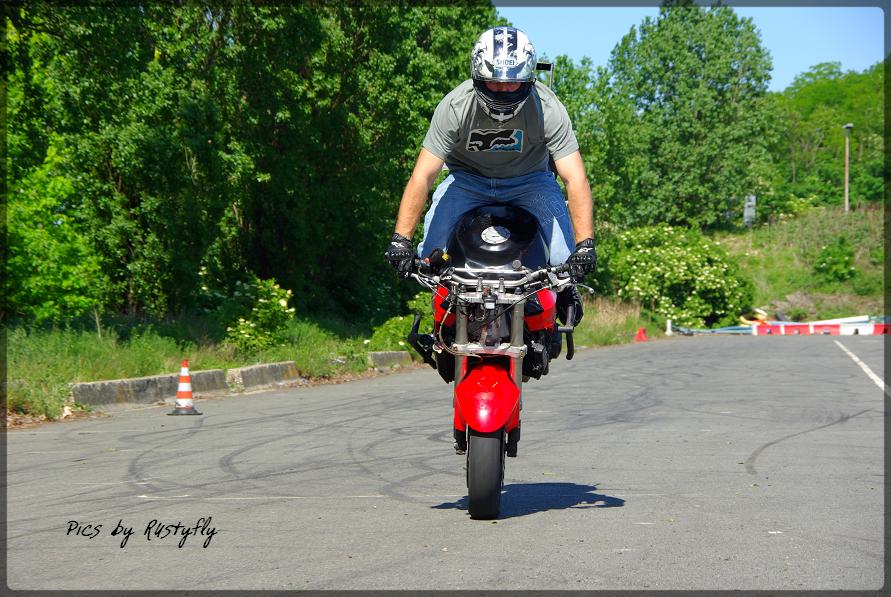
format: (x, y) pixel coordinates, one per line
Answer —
(583, 260)
(400, 254)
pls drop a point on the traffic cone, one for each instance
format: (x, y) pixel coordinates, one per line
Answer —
(184, 393)
(641, 335)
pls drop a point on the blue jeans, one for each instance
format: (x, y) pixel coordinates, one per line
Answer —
(538, 193)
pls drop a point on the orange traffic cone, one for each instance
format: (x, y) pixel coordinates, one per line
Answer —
(641, 335)
(184, 393)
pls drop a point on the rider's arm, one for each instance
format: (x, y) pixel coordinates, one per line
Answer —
(581, 209)
(414, 197)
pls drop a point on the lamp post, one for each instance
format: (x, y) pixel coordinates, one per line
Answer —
(847, 128)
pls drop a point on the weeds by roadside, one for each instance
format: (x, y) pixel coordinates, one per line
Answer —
(803, 266)
(609, 322)
(42, 362)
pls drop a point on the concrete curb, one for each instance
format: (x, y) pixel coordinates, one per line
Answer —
(162, 388)
(389, 358)
(147, 390)
(261, 376)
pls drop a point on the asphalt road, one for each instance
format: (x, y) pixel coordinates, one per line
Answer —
(690, 463)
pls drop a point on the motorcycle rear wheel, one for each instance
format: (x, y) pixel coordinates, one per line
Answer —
(485, 473)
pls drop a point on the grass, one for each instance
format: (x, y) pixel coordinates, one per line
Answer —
(42, 362)
(780, 258)
(608, 321)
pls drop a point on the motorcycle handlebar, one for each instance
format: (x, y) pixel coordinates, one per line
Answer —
(529, 276)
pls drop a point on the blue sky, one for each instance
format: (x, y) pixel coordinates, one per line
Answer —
(797, 37)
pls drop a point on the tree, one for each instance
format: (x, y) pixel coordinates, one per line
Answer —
(235, 137)
(580, 89)
(689, 126)
(809, 152)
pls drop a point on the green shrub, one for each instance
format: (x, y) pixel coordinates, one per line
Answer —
(266, 322)
(391, 334)
(676, 274)
(798, 314)
(864, 284)
(835, 263)
(317, 351)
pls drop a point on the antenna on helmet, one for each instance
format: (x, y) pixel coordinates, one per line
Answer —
(546, 66)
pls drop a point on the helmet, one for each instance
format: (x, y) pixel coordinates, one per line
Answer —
(503, 55)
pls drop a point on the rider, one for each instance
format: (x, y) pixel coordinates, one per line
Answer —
(497, 133)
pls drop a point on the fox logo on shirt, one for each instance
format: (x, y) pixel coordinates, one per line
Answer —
(495, 140)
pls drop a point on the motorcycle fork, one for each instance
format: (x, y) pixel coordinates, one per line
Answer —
(516, 341)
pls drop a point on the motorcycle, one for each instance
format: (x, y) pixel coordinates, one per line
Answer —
(494, 328)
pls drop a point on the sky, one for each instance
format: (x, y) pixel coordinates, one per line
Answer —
(796, 37)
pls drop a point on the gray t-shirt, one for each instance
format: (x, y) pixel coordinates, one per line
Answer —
(466, 138)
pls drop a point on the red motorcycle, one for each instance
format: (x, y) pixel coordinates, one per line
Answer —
(494, 328)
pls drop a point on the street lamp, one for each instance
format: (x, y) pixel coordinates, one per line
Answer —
(847, 128)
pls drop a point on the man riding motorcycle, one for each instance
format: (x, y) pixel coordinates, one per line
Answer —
(496, 133)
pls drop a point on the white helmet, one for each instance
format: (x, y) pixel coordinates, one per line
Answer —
(503, 55)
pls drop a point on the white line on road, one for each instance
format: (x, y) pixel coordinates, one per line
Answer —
(878, 380)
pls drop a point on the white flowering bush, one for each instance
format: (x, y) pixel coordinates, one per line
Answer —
(835, 263)
(391, 334)
(266, 321)
(677, 274)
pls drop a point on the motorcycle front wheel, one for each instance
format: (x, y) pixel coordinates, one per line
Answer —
(485, 473)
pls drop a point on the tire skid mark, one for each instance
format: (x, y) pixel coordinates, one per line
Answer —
(392, 489)
(750, 461)
(136, 472)
(133, 467)
(227, 462)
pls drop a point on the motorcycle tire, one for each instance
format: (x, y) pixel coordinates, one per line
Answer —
(485, 473)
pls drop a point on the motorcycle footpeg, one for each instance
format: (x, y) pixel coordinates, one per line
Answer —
(422, 343)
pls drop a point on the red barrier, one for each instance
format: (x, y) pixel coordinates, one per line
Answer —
(769, 330)
(880, 328)
(797, 329)
(827, 329)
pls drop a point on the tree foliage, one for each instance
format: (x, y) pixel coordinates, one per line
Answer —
(687, 130)
(233, 136)
(159, 154)
(809, 151)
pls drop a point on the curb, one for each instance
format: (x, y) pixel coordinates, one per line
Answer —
(389, 358)
(162, 388)
(260, 376)
(146, 390)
